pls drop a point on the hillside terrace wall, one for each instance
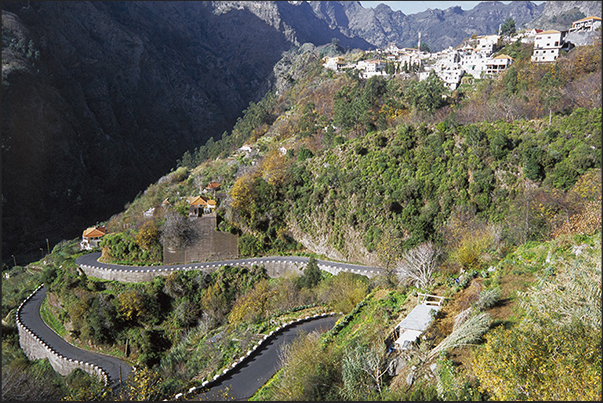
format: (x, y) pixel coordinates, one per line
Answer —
(36, 348)
(212, 244)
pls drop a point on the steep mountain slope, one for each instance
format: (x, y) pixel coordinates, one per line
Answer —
(101, 98)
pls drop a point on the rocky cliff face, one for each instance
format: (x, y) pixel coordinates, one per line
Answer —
(559, 15)
(439, 28)
(101, 98)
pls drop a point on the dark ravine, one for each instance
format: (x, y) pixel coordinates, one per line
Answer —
(113, 94)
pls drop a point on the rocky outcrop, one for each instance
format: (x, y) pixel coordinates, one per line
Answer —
(559, 15)
(439, 28)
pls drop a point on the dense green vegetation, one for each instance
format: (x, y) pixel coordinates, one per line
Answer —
(502, 178)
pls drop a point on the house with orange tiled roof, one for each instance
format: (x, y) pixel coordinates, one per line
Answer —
(590, 23)
(200, 205)
(212, 186)
(91, 237)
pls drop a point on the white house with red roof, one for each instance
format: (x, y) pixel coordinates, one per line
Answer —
(92, 236)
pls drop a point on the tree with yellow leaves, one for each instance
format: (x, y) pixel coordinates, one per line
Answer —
(244, 195)
(131, 304)
(148, 235)
(554, 353)
(252, 306)
(143, 385)
(273, 168)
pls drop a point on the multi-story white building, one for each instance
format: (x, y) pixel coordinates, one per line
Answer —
(333, 63)
(473, 63)
(586, 24)
(547, 45)
(488, 44)
(451, 75)
(497, 64)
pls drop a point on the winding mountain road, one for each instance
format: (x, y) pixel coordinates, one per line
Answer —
(238, 385)
(30, 316)
(91, 259)
(251, 375)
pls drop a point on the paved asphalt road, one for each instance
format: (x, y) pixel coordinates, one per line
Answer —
(248, 377)
(30, 317)
(243, 381)
(239, 384)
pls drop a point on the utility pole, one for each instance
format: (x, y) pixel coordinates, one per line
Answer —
(550, 116)
(48, 245)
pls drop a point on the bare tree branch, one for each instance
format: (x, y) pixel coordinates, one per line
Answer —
(418, 264)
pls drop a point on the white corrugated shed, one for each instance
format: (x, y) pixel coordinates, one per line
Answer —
(411, 327)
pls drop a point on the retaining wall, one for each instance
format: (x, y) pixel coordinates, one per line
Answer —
(211, 245)
(36, 348)
(274, 268)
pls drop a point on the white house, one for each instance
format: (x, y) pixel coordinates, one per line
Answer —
(586, 24)
(91, 237)
(488, 44)
(371, 68)
(333, 63)
(529, 35)
(497, 64)
(547, 45)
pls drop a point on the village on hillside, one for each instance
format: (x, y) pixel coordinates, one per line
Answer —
(476, 57)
